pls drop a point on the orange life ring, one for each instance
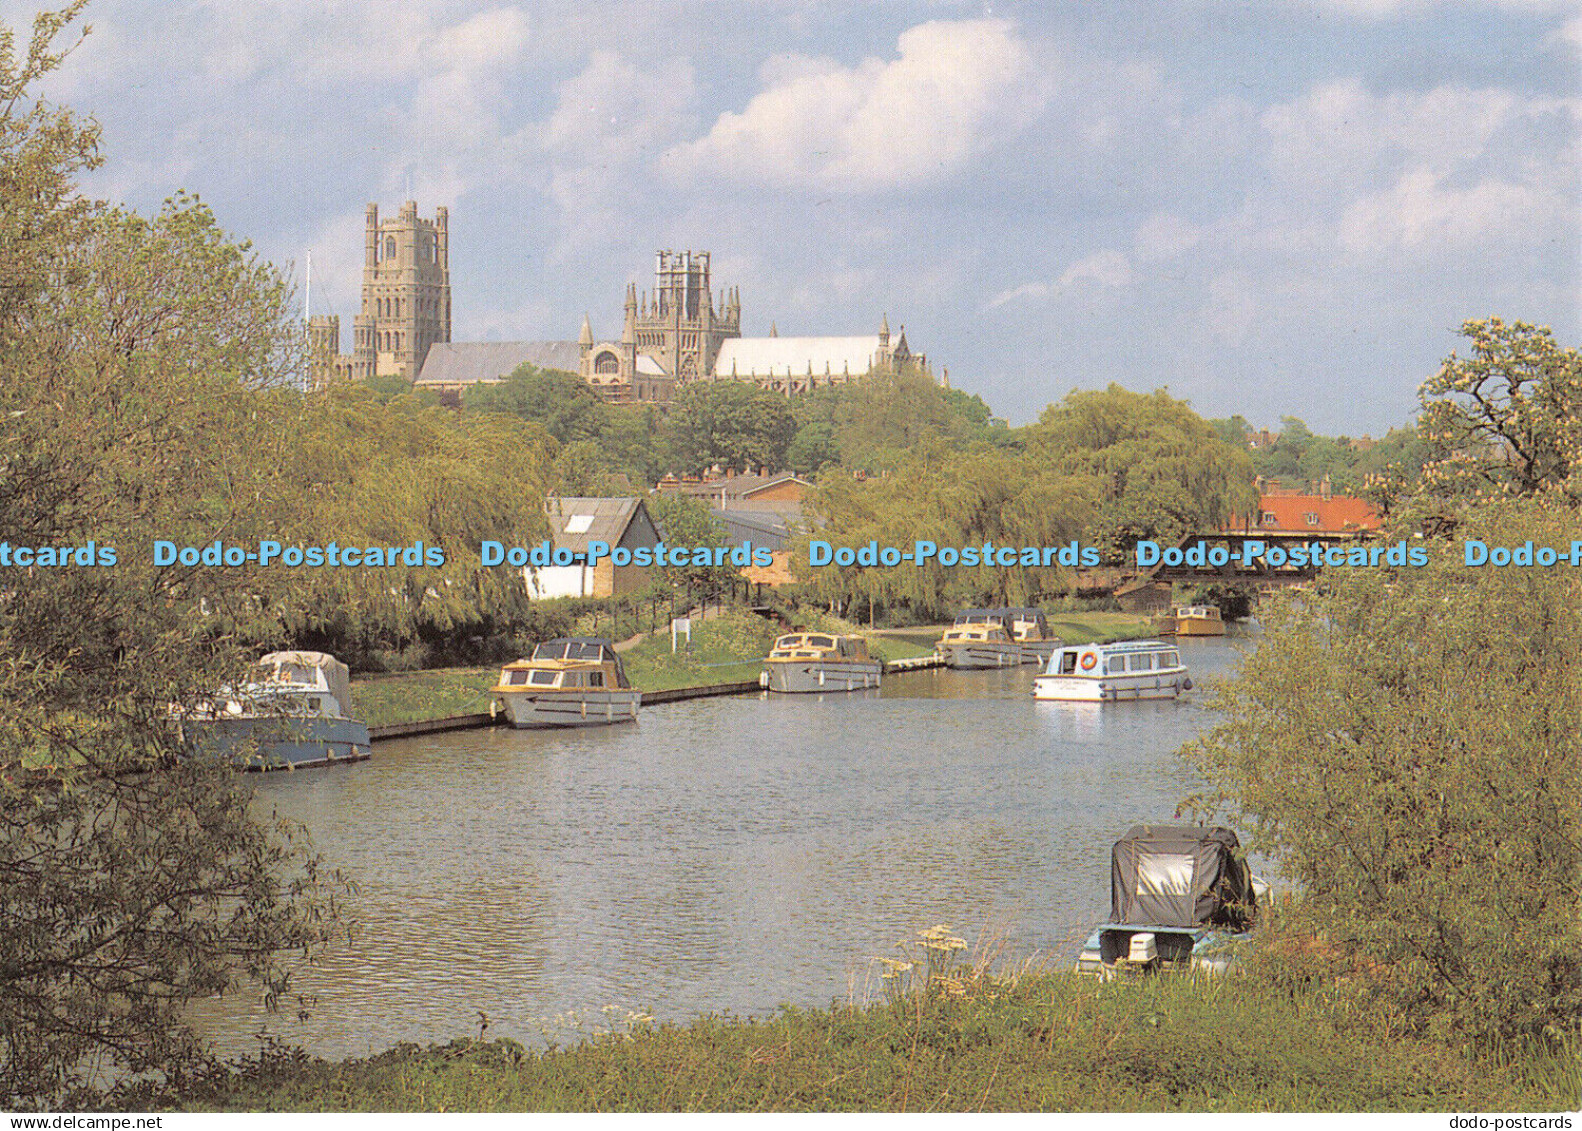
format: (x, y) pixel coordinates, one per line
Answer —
(1088, 661)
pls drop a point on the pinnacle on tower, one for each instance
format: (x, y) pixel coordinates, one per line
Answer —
(585, 339)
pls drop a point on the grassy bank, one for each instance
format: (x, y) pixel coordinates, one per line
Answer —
(724, 650)
(1041, 1042)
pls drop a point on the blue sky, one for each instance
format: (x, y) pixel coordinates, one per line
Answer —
(1272, 208)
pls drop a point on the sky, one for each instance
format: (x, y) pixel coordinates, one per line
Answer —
(1269, 207)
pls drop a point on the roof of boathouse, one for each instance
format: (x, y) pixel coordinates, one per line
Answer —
(575, 521)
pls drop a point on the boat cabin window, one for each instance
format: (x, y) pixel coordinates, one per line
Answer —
(821, 642)
(1169, 659)
(542, 679)
(552, 650)
(1140, 662)
(1115, 665)
(595, 679)
(514, 679)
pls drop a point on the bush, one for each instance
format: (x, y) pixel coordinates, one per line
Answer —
(1406, 745)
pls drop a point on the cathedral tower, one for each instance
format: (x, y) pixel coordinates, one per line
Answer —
(406, 293)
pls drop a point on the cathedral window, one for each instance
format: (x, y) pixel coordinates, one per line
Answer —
(607, 363)
(390, 251)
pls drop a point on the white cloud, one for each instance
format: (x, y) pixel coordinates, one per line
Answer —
(955, 91)
(1420, 211)
(1107, 268)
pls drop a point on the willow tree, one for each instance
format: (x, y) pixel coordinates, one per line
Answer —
(403, 475)
(136, 359)
(1160, 470)
(953, 499)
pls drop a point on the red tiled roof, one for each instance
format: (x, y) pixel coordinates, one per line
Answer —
(1313, 514)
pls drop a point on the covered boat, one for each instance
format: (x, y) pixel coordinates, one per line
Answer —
(575, 681)
(293, 712)
(1179, 896)
(820, 661)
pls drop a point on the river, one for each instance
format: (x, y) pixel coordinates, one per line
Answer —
(721, 855)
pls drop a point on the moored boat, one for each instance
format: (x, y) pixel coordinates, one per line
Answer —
(1180, 896)
(576, 681)
(1198, 620)
(973, 647)
(1029, 629)
(1108, 673)
(293, 712)
(820, 661)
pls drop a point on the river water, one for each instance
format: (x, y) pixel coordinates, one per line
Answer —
(721, 855)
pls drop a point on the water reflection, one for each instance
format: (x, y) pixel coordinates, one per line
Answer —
(723, 855)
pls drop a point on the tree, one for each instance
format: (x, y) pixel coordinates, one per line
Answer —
(1503, 421)
(1405, 745)
(1161, 470)
(140, 362)
(954, 499)
(561, 402)
(730, 424)
(688, 522)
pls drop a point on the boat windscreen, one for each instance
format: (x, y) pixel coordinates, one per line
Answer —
(550, 650)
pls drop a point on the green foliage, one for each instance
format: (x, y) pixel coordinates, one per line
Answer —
(562, 402)
(685, 521)
(876, 424)
(1002, 1042)
(1503, 421)
(366, 474)
(1160, 470)
(145, 365)
(730, 424)
(1407, 747)
(959, 499)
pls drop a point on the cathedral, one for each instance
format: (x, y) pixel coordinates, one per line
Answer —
(679, 333)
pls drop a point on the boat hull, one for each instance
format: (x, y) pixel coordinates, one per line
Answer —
(797, 676)
(978, 655)
(544, 709)
(1206, 949)
(1189, 626)
(1111, 688)
(274, 743)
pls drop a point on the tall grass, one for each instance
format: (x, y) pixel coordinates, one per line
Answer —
(951, 1028)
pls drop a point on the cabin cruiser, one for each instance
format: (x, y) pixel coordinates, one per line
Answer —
(1028, 628)
(293, 712)
(997, 638)
(1198, 620)
(820, 661)
(974, 646)
(1108, 673)
(1180, 896)
(568, 682)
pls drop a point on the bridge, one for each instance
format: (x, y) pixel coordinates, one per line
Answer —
(1244, 558)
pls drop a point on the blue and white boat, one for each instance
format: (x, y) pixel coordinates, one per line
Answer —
(293, 712)
(1114, 673)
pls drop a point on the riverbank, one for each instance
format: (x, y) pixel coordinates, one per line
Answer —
(974, 1042)
(724, 650)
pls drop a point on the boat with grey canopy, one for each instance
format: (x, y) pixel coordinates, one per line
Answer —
(1181, 896)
